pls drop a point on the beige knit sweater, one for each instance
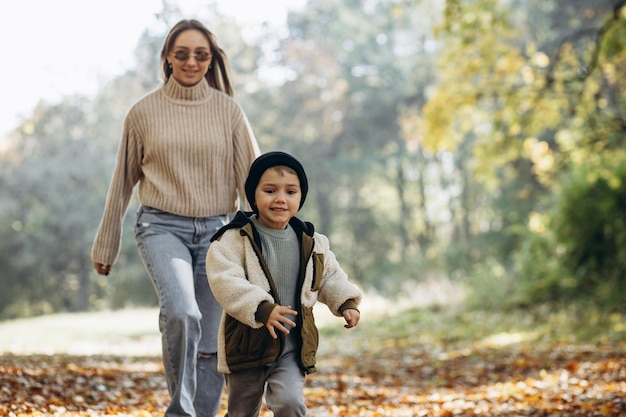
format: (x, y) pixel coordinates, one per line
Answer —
(189, 148)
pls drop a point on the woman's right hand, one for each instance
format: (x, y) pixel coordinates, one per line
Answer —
(102, 269)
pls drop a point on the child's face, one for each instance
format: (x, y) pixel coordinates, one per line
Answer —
(277, 197)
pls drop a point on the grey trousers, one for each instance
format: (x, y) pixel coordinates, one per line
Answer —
(283, 385)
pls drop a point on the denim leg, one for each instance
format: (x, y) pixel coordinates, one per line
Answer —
(166, 244)
(210, 381)
(210, 386)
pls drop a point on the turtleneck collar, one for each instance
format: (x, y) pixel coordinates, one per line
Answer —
(178, 92)
(276, 233)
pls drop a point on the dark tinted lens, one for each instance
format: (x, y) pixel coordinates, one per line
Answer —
(181, 55)
(202, 56)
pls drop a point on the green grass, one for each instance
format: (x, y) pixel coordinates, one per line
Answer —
(135, 331)
(125, 332)
(439, 329)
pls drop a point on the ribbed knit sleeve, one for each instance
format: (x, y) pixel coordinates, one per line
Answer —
(126, 175)
(243, 152)
(188, 148)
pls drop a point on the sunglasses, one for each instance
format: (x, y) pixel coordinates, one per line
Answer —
(201, 56)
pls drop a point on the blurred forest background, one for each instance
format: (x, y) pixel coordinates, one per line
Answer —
(474, 142)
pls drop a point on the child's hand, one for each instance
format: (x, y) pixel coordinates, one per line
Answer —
(277, 320)
(352, 317)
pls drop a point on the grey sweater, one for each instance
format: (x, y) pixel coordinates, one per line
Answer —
(188, 148)
(281, 252)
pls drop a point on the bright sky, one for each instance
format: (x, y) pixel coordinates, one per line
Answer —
(55, 48)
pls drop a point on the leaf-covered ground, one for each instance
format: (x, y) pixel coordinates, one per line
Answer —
(424, 364)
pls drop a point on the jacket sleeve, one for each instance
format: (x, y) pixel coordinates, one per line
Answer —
(336, 291)
(229, 281)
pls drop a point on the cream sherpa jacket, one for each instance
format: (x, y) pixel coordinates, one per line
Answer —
(242, 284)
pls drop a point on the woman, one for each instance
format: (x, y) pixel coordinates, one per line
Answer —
(188, 145)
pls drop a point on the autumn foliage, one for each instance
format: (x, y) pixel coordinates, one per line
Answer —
(375, 371)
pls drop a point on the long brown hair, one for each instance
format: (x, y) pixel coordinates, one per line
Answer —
(218, 74)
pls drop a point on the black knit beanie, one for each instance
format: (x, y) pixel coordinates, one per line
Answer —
(272, 159)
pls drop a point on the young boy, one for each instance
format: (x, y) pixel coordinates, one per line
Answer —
(267, 269)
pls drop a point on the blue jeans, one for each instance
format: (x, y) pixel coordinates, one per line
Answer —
(173, 249)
